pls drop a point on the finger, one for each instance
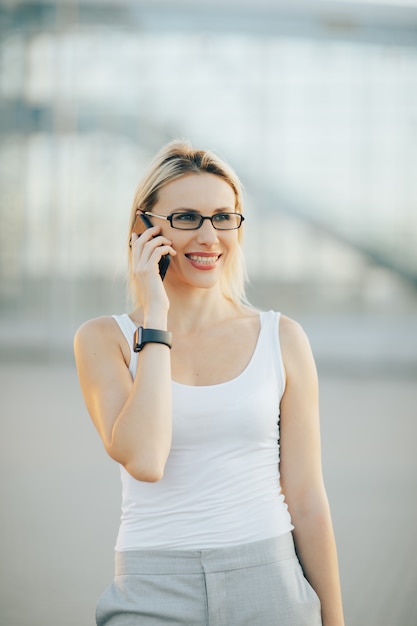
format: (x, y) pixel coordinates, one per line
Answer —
(144, 238)
(166, 249)
(152, 244)
(147, 234)
(159, 252)
(133, 237)
(147, 259)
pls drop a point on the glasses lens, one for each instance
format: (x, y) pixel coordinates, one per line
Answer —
(193, 221)
(186, 221)
(226, 221)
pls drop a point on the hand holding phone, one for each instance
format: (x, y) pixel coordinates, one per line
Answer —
(141, 224)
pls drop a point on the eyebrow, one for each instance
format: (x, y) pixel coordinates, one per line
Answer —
(219, 210)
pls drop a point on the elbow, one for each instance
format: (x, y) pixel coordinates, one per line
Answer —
(311, 515)
(145, 474)
(147, 470)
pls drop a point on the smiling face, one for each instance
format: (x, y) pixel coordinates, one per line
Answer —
(202, 254)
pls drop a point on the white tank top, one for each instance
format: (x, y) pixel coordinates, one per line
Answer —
(221, 482)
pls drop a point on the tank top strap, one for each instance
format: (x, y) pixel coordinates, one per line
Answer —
(128, 328)
(269, 338)
(271, 345)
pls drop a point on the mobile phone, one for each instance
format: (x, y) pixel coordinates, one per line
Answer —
(141, 224)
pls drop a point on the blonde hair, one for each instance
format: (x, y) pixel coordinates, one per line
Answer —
(174, 160)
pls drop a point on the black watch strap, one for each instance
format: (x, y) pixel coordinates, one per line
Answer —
(150, 335)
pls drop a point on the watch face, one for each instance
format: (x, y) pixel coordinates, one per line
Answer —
(140, 336)
(137, 339)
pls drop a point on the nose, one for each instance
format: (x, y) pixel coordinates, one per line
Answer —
(207, 233)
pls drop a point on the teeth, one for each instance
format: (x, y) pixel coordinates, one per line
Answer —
(206, 260)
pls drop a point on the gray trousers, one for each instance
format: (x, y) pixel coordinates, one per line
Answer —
(256, 584)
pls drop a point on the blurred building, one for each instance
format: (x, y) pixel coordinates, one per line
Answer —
(313, 103)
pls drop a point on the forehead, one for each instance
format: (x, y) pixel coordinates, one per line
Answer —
(201, 192)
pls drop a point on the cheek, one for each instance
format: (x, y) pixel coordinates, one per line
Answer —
(232, 245)
(234, 256)
(180, 241)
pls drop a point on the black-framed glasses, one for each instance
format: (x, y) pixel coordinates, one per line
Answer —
(194, 221)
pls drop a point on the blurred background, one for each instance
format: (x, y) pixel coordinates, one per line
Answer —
(314, 104)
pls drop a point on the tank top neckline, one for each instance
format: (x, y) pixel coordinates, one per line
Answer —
(233, 380)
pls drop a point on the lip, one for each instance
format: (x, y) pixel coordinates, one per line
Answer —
(203, 260)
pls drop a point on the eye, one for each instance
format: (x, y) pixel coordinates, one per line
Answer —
(186, 220)
(191, 218)
(220, 218)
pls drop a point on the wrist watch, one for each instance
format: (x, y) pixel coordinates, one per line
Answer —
(150, 335)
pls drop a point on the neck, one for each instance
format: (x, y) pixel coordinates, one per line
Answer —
(194, 309)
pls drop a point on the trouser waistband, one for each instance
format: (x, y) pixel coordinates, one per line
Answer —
(208, 560)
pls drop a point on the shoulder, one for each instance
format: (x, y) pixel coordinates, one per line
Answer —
(291, 333)
(295, 346)
(98, 336)
(95, 328)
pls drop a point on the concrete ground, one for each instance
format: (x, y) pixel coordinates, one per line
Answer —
(60, 495)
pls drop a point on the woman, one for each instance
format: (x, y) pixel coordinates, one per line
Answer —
(217, 438)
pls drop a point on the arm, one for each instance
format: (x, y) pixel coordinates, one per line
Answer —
(301, 473)
(133, 418)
